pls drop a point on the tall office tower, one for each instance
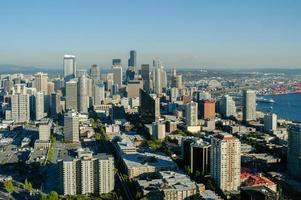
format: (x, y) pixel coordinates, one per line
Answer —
(41, 82)
(69, 67)
(157, 80)
(117, 75)
(173, 77)
(7, 85)
(133, 59)
(71, 127)
(249, 105)
(179, 81)
(191, 114)
(81, 72)
(58, 84)
(95, 74)
(130, 73)
(158, 130)
(294, 151)
(82, 95)
(227, 106)
(20, 108)
(44, 129)
(174, 94)
(225, 161)
(109, 81)
(99, 94)
(71, 95)
(86, 174)
(90, 90)
(200, 158)
(145, 73)
(270, 122)
(116, 61)
(149, 107)
(39, 105)
(55, 99)
(186, 150)
(207, 109)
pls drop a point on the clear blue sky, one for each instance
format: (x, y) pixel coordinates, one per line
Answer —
(192, 33)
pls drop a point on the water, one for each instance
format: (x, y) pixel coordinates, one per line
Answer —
(286, 106)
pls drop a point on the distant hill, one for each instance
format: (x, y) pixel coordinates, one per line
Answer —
(9, 68)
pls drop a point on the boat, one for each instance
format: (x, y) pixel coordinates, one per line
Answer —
(264, 100)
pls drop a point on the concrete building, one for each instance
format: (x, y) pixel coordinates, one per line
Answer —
(294, 151)
(44, 129)
(158, 130)
(117, 75)
(249, 105)
(71, 95)
(133, 59)
(225, 166)
(86, 174)
(41, 82)
(191, 114)
(133, 87)
(149, 107)
(20, 108)
(95, 74)
(99, 94)
(39, 106)
(69, 67)
(270, 122)
(82, 94)
(55, 99)
(71, 127)
(227, 106)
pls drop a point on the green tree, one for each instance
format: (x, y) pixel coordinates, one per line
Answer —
(27, 186)
(9, 187)
(53, 196)
(43, 197)
(97, 136)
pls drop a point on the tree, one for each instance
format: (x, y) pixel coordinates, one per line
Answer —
(53, 196)
(9, 187)
(97, 136)
(27, 186)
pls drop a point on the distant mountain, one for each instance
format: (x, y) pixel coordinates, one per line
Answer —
(9, 68)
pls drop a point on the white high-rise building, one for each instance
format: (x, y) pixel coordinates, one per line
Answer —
(69, 67)
(191, 114)
(71, 95)
(39, 106)
(158, 130)
(270, 122)
(82, 94)
(249, 105)
(99, 94)
(95, 74)
(227, 106)
(294, 151)
(174, 94)
(20, 108)
(86, 174)
(41, 82)
(117, 75)
(225, 161)
(71, 127)
(159, 77)
(44, 130)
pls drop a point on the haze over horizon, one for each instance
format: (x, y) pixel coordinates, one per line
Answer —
(181, 33)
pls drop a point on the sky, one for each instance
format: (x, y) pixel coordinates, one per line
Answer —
(181, 33)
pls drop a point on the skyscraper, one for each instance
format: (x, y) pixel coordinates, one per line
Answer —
(225, 165)
(55, 104)
(69, 67)
(227, 106)
(20, 108)
(157, 81)
(82, 94)
(71, 95)
(95, 74)
(99, 94)
(294, 151)
(41, 82)
(207, 109)
(116, 61)
(71, 127)
(200, 158)
(117, 74)
(132, 59)
(191, 114)
(145, 73)
(149, 107)
(39, 105)
(270, 122)
(249, 105)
